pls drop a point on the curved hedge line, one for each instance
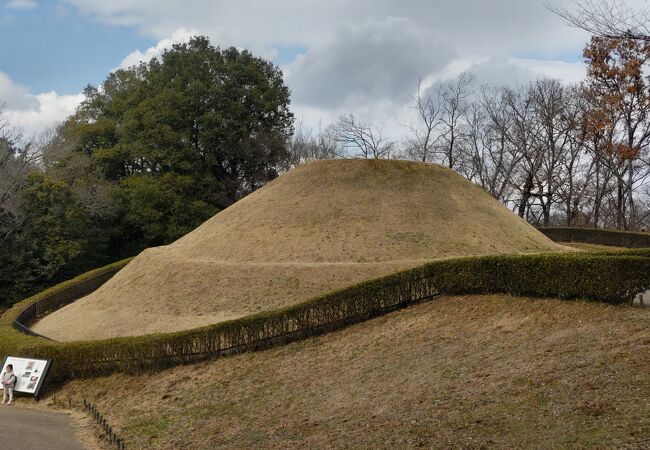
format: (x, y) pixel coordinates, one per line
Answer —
(613, 278)
(50, 302)
(11, 339)
(615, 238)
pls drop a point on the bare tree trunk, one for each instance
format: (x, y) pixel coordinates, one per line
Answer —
(454, 107)
(630, 197)
(421, 145)
(525, 195)
(620, 204)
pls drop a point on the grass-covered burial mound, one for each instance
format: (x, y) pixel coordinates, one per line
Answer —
(322, 226)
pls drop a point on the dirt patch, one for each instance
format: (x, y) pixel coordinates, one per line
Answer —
(458, 372)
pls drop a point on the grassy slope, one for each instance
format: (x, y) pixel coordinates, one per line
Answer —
(464, 372)
(323, 226)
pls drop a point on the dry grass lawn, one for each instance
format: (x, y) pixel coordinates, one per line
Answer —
(322, 226)
(458, 372)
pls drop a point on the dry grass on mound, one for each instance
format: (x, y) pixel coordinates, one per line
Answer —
(233, 290)
(322, 226)
(458, 372)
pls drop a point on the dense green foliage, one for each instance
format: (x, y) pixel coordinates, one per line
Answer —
(612, 278)
(53, 243)
(184, 136)
(147, 157)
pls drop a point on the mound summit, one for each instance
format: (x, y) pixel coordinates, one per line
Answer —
(322, 226)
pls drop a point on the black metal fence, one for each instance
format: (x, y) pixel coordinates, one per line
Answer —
(58, 300)
(68, 295)
(559, 234)
(611, 279)
(614, 238)
(111, 436)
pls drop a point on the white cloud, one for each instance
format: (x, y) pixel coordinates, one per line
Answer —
(15, 96)
(475, 26)
(34, 114)
(502, 71)
(136, 57)
(363, 55)
(391, 114)
(20, 4)
(569, 72)
(358, 56)
(377, 60)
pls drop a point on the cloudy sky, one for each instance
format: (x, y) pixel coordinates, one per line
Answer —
(338, 56)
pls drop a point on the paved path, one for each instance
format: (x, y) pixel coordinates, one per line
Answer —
(27, 429)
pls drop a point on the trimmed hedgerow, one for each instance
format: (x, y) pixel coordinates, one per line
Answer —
(614, 238)
(11, 340)
(612, 278)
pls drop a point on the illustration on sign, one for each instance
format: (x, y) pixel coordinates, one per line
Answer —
(30, 373)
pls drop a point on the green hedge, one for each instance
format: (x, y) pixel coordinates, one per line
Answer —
(615, 238)
(612, 278)
(11, 339)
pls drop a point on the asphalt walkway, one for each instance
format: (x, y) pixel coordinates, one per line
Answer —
(28, 429)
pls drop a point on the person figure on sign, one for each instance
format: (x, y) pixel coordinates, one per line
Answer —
(8, 383)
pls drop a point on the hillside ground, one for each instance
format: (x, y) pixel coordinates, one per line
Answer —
(457, 372)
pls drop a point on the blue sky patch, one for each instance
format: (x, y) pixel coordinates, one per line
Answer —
(50, 48)
(286, 54)
(568, 57)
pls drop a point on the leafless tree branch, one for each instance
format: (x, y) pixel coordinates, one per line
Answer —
(362, 138)
(614, 19)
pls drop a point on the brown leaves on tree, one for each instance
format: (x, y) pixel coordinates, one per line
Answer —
(624, 152)
(617, 90)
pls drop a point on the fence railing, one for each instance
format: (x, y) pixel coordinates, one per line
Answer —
(600, 276)
(614, 238)
(254, 333)
(111, 436)
(66, 296)
(58, 300)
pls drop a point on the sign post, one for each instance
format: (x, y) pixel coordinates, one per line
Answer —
(30, 373)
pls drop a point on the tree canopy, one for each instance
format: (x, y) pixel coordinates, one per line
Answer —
(149, 155)
(184, 135)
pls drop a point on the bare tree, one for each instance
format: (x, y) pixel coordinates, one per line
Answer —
(550, 104)
(476, 147)
(606, 18)
(523, 136)
(577, 155)
(489, 158)
(576, 169)
(506, 155)
(453, 106)
(362, 139)
(424, 138)
(305, 145)
(599, 138)
(16, 160)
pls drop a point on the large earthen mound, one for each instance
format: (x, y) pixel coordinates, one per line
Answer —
(322, 226)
